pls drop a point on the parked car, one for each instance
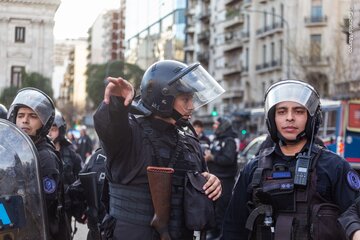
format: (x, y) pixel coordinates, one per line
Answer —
(250, 150)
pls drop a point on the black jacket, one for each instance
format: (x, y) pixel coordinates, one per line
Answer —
(332, 184)
(223, 148)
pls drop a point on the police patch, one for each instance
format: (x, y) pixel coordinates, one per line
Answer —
(49, 185)
(353, 180)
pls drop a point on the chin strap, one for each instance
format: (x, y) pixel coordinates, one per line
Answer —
(283, 141)
(180, 122)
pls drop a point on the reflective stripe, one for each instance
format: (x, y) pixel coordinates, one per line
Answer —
(4, 217)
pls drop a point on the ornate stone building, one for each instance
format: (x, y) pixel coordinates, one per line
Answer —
(26, 39)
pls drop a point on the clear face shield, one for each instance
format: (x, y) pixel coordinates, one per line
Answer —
(35, 100)
(195, 79)
(294, 91)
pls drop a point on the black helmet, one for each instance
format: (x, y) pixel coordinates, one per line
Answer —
(166, 79)
(295, 91)
(3, 111)
(224, 124)
(37, 101)
(60, 123)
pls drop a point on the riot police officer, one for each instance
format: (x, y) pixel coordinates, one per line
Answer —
(350, 221)
(222, 161)
(3, 111)
(296, 189)
(84, 208)
(170, 91)
(33, 112)
(70, 159)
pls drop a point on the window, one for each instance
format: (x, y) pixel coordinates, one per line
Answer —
(272, 52)
(265, 20)
(273, 16)
(316, 13)
(264, 54)
(281, 51)
(20, 34)
(16, 75)
(315, 47)
(282, 14)
(247, 58)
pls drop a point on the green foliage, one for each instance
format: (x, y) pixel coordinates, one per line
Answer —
(34, 80)
(97, 75)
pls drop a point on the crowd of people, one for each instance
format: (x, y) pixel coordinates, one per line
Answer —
(158, 176)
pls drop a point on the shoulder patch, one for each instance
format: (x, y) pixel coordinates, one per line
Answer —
(49, 185)
(353, 180)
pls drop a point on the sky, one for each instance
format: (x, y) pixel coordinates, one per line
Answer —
(74, 17)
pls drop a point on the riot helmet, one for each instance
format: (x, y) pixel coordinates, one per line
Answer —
(3, 111)
(60, 123)
(294, 91)
(166, 79)
(224, 123)
(37, 101)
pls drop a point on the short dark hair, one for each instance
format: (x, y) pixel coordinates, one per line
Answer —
(198, 123)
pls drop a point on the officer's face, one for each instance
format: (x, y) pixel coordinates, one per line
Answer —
(28, 121)
(290, 119)
(184, 105)
(54, 132)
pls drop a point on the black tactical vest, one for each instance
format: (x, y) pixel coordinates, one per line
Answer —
(281, 210)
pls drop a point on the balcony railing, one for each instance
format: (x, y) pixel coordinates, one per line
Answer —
(315, 20)
(315, 60)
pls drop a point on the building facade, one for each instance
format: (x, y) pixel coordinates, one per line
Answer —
(26, 39)
(155, 31)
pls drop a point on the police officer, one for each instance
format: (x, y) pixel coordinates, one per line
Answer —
(33, 112)
(296, 189)
(350, 221)
(170, 91)
(77, 192)
(3, 111)
(222, 161)
(70, 159)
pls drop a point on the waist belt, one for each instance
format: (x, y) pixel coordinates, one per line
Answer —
(131, 203)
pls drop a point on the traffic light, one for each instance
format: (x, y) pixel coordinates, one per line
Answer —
(243, 132)
(214, 112)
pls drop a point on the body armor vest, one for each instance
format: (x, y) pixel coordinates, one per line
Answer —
(143, 208)
(282, 210)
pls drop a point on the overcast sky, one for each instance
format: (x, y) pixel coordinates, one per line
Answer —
(74, 17)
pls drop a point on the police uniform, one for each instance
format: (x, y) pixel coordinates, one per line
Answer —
(50, 169)
(127, 159)
(71, 161)
(350, 219)
(333, 184)
(296, 196)
(96, 164)
(224, 166)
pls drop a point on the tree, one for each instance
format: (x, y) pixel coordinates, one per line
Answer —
(35, 80)
(96, 76)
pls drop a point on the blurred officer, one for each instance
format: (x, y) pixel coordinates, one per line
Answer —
(199, 129)
(222, 161)
(3, 111)
(33, 112)
(350, 221)
(83, 208)
(296, 189)
(84, 144)
(170, 91)
(70, 159)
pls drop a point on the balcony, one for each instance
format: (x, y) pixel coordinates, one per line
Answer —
(189, 48)
(315, 61)
(190, 29)
(270, 29)
(269, 66)
(203, 57)
(190, 11)
(315, 21)
(233, 67)
(245, 35)
(204, 36)
(230, 2)
(205, 15)
(233, 18)
(233, 92)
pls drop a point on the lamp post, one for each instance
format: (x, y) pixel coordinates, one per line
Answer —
(287, 34)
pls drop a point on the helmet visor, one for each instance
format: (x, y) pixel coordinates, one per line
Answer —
(201, 83)
(36, 101)
(294, 91)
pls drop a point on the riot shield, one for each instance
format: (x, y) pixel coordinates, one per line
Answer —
(22, 211)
